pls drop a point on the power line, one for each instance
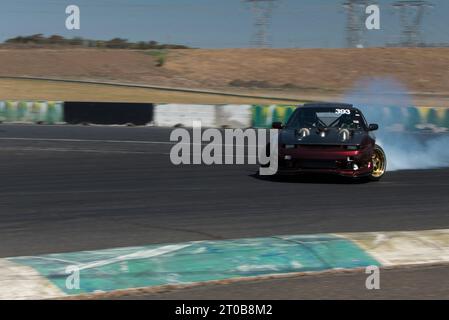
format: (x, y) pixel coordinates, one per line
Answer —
(262, 11)
(355, 22)
(411, 17)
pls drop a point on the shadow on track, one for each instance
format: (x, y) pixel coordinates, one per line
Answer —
(309, 178)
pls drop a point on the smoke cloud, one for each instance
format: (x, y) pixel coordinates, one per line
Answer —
(405, 150)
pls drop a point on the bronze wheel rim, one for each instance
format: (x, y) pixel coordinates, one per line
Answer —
(378, 160)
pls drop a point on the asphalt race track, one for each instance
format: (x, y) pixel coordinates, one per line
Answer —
(72, 188)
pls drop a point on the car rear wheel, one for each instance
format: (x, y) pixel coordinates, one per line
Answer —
(379, 162)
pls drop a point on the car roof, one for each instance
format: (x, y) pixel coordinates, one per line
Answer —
(328, 105)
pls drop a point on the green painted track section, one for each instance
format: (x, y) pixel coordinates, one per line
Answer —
(155, 265)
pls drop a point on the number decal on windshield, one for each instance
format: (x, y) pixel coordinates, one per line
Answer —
(342, 111)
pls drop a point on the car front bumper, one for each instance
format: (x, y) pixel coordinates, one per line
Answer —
(327, 160)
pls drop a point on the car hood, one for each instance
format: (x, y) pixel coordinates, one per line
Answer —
(332, 136)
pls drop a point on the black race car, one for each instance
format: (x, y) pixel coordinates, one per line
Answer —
(330, 138)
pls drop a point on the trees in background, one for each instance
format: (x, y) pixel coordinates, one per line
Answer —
(116, 43)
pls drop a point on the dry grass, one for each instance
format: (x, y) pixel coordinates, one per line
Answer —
(419, 69)
(323, 74)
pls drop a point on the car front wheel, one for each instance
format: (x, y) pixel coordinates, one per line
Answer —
(379, 163)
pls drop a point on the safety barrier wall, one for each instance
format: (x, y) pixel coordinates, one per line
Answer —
(219, 116)
(108, 113)
(216, 116)
(49, 112)
(55, 112)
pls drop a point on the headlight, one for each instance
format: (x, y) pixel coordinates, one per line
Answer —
(302, 133)
(344, 134)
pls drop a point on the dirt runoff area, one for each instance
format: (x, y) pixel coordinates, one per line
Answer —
(312, 74)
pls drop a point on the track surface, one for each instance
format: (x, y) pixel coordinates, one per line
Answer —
(79, 195)
(65, 188)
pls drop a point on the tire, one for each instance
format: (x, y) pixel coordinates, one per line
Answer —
(379, 162)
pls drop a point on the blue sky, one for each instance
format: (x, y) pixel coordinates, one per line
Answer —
(209, 23)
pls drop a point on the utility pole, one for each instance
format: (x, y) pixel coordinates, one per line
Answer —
(411, 15)
(355, 23)
(262, 11)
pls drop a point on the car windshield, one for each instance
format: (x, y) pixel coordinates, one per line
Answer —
(332, 117)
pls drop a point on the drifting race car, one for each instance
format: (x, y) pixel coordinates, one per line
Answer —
(330, 138)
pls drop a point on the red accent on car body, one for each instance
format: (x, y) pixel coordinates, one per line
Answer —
(326, 159)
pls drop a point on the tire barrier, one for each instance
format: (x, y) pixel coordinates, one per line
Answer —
(108, 113)
(47, 112)
(446, 118)
(264, 115)
(413, 118)
(391, 117)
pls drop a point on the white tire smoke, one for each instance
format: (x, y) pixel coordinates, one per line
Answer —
(405, 150)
